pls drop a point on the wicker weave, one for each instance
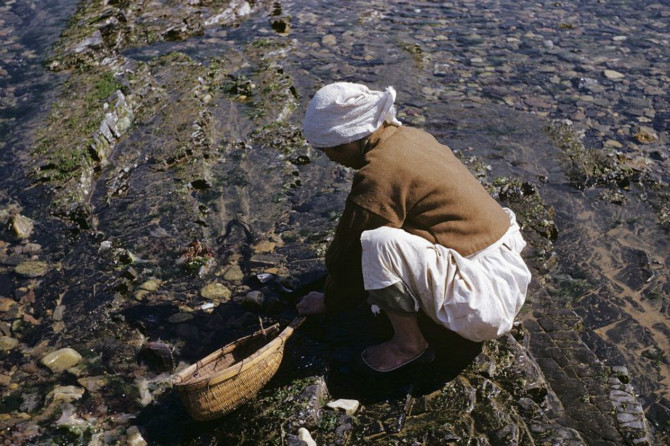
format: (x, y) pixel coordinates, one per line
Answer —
(220, 382)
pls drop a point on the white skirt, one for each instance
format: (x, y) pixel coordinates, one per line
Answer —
(476, 296)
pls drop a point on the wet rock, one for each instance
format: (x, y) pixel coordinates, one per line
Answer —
(93, 383)
(21, 226)
(264, 246)
(614, 75)
(264, 259)
(92, 42)
(179, 318)
(265, 277)
(159, 355)
(234, 273)
(5, 380)
(32, 269)
(645, 135)
(329, 40)
(306, 437)
(58, 313)
(216, 291)
(349, 406)
(151, 285)
(253, 299)
(72, 422)
(61, 359)
(134, 437)
(6, 304)
(281, 26)
(150, 388)
(636, 269)
(64, 394)
(311, 402)
(31, 401)
(7, 343)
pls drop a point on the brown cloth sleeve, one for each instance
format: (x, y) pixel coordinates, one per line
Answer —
(344, 284)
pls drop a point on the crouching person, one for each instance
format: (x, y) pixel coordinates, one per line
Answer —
(418, 232)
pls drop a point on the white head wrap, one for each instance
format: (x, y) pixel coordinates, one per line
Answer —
(343, 112)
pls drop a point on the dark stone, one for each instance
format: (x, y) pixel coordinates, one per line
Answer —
(636, 270)
(159, 355)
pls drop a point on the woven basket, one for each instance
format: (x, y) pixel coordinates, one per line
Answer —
(223, 380)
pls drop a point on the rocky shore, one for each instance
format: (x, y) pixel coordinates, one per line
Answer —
(162, 202)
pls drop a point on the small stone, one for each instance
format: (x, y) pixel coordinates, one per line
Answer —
(7, 343)
(624, 417)
(151, 285)
(329, 40)
(612, 144)
(6, 304)
(349, 406)
(31, 401)
(141, 294)
(639, 424)
(304, 435)
(614, 75)
(58, 313)
(32, 269)
(178, 318)
(264, 246)
(61, 359)
(21, 226)
(215, 291)
(234, 273)
(93, 383)
(65, 394)
(253, 299)
(134, 437)
(646, 135)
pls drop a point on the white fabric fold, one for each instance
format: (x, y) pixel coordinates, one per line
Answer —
(343, 112)
(476, 296)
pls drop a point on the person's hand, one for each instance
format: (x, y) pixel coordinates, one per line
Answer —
(312, 303)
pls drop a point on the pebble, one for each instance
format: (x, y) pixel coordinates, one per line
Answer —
(646, 135)
(178, 318)
(215, 291)
(32, 269)
(234, 273)
(614, 75)
(65, 394)
(253, 298)
(6, 304)
(329, 40)
(61, 359)
(93, 383)
(134, 437)
(349, 406)
(58, 313)
(264, 246)
(151, 285)
(8, 343)
(22, 226)
(304, 435)
(5, 380)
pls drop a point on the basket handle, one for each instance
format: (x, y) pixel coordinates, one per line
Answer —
(295, 323)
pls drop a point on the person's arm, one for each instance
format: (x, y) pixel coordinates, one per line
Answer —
(344, 284)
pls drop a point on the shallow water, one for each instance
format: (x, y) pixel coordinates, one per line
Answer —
(484, 77)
